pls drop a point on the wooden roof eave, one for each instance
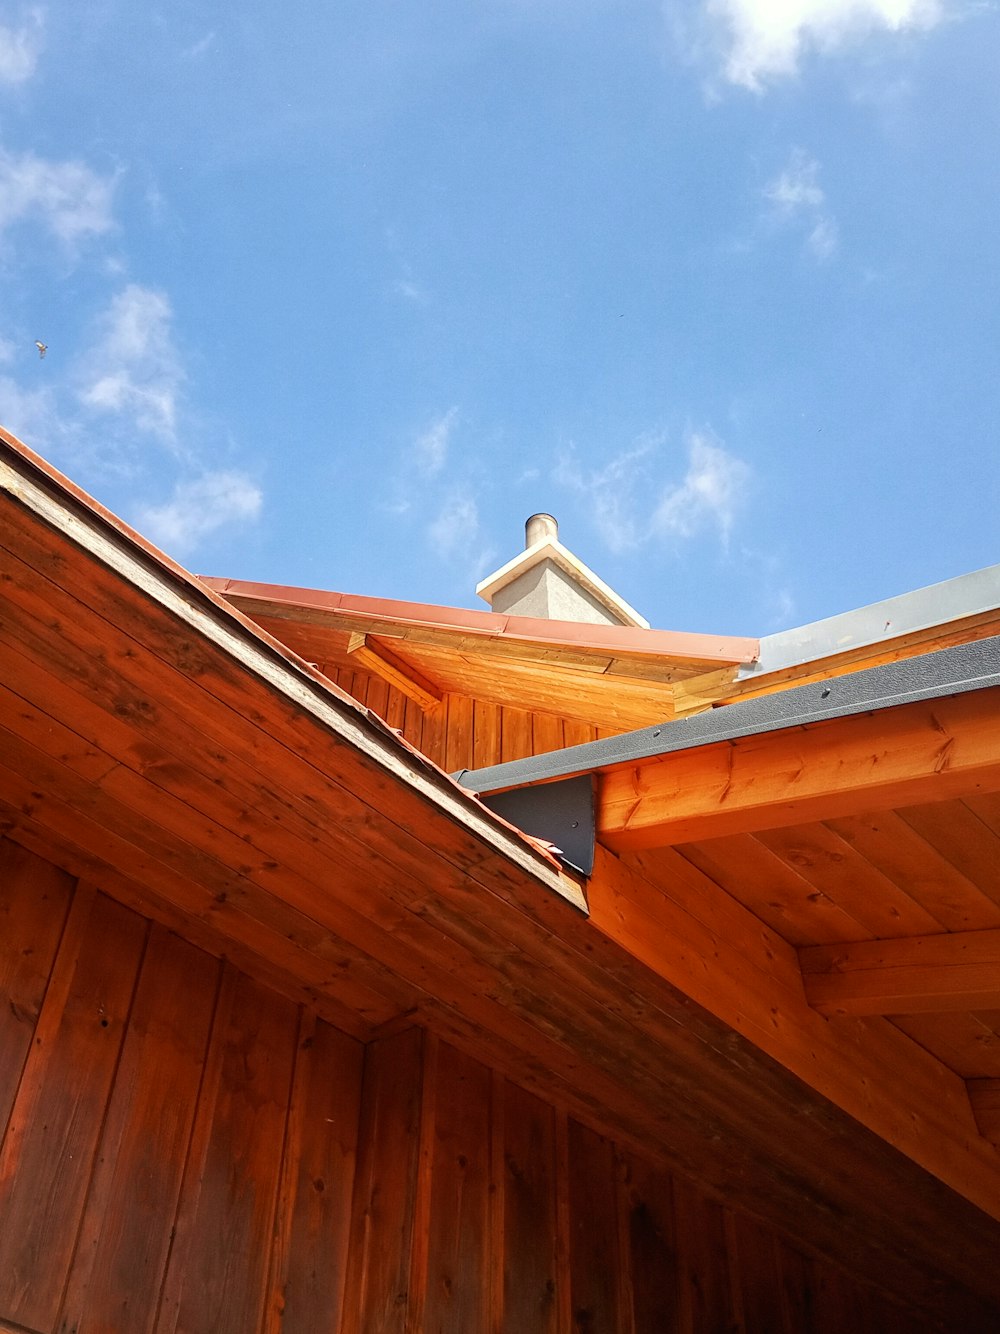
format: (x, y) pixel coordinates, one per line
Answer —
(52, 499)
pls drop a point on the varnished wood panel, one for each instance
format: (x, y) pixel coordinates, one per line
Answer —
(181, 1156)
(310, 1260)
(34, 897)
(55, 1125)
(128, 1222)
(457, 1287)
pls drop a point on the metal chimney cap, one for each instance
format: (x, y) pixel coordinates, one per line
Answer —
(538, 528)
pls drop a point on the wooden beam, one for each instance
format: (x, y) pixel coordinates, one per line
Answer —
(915, 975)
(382, 662)
(914, 753)
(984, 1094)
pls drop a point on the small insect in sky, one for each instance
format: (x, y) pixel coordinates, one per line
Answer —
(42, 348)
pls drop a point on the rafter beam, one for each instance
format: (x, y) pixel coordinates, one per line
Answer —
(918, 975)
(929, 750)
(374, 657)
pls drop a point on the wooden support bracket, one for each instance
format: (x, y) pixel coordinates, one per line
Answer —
(374, 657)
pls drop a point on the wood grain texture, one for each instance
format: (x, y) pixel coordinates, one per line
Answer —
(309, 1263)
(34, 900)
(54, 1129)
(128, 1222)
(220, 1266)
(922, 752)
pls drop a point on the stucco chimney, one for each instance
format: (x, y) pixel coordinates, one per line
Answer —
(547, 582)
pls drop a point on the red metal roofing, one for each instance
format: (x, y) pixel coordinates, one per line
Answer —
(577, 634)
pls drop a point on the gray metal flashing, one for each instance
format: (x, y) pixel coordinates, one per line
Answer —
(561, 813)
(939, 604)
(948, 671)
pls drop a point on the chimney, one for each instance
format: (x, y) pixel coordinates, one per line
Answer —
(547, 582)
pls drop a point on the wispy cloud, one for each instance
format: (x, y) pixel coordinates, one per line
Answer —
(20, 49)
(709, 496)
(430, 450)
(613, 492)
(68, 199)
(797, 197)
(765, 40)
(198, 508)
(199, 48)
(631, 506)
(133, 371)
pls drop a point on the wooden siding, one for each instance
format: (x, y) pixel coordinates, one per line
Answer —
(462, 732)
(482, 1208)
(178, 1147)
(178, 1142)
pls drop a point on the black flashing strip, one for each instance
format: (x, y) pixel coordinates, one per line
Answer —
(948, 671)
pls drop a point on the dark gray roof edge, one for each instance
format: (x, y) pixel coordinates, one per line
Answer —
(948, 671)
(953, 600)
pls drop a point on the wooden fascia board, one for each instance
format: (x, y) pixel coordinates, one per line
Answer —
(928, 750)
(959, 971)
(390, 667)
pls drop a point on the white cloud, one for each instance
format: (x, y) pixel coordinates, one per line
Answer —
(134, 371)
(20, 49)
(66, 198)
(456, 526)
(198, 508)
(431, 446)
(617, 496)
(611, 493)
(713, 490)
(796, 197)
(765, 40)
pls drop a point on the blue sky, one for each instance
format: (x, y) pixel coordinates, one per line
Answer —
(337, 295)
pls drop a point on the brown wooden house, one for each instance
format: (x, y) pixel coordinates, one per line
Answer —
(680, 1011)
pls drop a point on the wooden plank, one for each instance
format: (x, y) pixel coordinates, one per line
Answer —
(969, 844)
(457, 1296)
(515, 734)
(598, 1302)
(839, 873)
(888, 843)
(773, 890)
(128, 1223)
(705, 1285)
(34, 900)
(459, 733)
(531, 1269)
(915, 753)
(379, 1257)
(969, 1044)
(52, 1136)
(380, 660)
(217, 1278)
(652, 1246)
(956, 971)
(485, 734)
(758, 1275)
(310, 1253)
